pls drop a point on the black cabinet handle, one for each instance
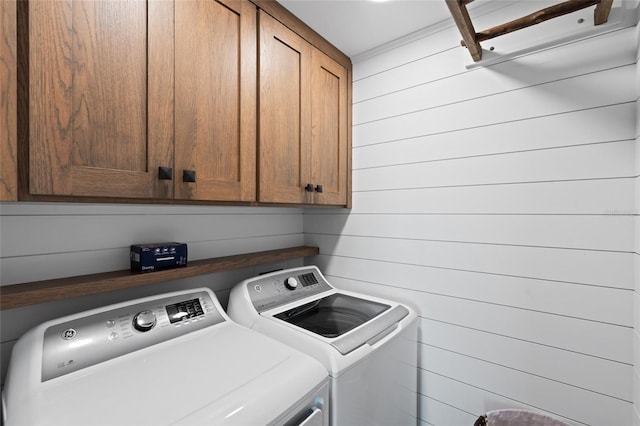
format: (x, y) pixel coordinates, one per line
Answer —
(188, 175)
(318, 188)
(309, 188)
(165, 173)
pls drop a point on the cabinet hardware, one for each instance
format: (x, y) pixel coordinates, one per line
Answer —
(309, 188)
(318, 188)
(188, 175)
(165, 173)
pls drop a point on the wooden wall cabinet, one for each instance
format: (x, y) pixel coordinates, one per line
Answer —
(118, 90)
(158, 100)
(303, 120)
(215, 79)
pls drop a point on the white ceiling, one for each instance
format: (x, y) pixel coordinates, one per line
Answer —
(356, 26)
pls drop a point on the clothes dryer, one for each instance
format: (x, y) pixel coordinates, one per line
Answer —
(367, 344)
(172, 359)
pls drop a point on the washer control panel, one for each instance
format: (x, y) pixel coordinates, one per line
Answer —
(280, 288)
(81, 342)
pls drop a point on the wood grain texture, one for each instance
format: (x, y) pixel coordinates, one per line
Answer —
(161, 98)
(465, 26)
(283, 15)
(284, 114)
(535, 18)
(88, 120)
(8, 102)
(13, 296)
(49, 89)
(601, 12)
(329, 140)
(216, 99)
(109, 106)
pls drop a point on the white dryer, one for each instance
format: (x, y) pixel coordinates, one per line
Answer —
(171, 359)
(367, 344)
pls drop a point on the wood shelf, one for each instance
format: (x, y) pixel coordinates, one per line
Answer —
(17, 295)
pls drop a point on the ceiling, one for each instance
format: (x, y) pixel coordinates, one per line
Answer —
(356, 26)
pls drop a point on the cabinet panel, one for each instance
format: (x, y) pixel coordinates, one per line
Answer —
(216, 99)
(8, 102)
(285, 120)
(97, 116)
(329, 129)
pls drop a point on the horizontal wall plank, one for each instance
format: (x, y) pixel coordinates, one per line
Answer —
(609, 269)
(375, 89)
(612, 123)
(152, 210)
(430, 42)
(546, 99)
(114, 231)
(425, 86)
(59, 265)
(603, 232)
(465, 397)
(602, 304)
(605, 196)
(607, 377)
(596, 161)
(434, 412)
(577, 404)
(585, 337)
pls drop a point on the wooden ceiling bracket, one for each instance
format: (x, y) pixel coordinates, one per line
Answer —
(471, 39)
(458, 9)
(601, 14)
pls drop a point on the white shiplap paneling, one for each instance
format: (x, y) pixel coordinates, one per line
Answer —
(577, 128)
(425, 84)
(44, 241)
(53, 241)
(496, 201)
(636, 212)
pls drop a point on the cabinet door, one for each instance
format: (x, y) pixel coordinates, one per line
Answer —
(284, 114)
(216, 99)
(8, 102)
(329, 130)
(100, 97)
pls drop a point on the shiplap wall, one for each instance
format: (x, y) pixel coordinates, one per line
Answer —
(496, 201)
(636, 335)
(43, 241)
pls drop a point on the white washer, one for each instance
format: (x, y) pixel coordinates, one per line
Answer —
(368, 344)
(170, 359)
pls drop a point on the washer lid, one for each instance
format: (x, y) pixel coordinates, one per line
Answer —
(337, 314)
(226, 374)
(333, 315)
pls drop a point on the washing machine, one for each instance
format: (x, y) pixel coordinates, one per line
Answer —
(172, 359)
(367, 344)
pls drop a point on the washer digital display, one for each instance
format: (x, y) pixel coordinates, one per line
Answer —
(184, 310)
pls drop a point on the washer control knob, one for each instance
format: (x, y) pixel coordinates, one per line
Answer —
(144, 321)
(291, 283)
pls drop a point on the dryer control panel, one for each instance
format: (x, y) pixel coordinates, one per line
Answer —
(279, 288)
(120, 329)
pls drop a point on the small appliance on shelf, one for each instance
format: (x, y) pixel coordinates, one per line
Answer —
(151, 257)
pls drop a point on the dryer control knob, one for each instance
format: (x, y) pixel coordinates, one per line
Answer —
(144, 321)
(291, 283)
